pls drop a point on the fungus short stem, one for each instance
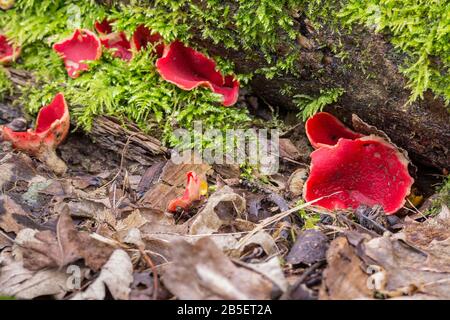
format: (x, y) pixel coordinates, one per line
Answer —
(53, 162)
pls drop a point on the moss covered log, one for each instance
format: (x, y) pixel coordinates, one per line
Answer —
(386, 62)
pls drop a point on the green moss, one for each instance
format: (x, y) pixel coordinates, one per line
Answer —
(443, 198)
(6, 87)
(310, 105)
(418, 28)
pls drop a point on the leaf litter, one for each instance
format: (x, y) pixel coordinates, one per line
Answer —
(104, 232)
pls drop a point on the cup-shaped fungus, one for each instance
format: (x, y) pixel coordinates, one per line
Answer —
(323, 129)
(143, 36)
(52, 127)
(8, 51)
(119, 44)
(104, 27)
(196, 187)
(366, 170)
(189, 69)
(83, 45)
(116, 41)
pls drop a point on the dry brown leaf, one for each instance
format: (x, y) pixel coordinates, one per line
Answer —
(223, 207)
(344, 278)
(116, 275)
(21, 283)
(13, 217)
(202, 271)
(48, 250)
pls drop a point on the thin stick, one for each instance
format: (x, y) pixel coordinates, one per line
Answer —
(152, 266)
(268, 221)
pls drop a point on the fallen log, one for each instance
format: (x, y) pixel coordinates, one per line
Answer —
(381, 99)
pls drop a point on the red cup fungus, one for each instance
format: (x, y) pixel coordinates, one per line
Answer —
(143, 36)
(83, 45)
(8, 51)
(195, 188)
(189, 69)
(52, 127)
(323, 129)
(366, 170)
(104, 27)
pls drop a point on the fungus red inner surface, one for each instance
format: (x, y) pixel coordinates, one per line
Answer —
(143, 36)
(323, 129)
(188, 69)
(103, 27)
(7, 50)
(119, 43)
(366, 171)
(49, 114)
(83, 45)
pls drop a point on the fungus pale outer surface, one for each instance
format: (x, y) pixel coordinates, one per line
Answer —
(323, 129)
(366, 170)
(143, 36)
(8, 51)
(195, 188)
(52, 127)
(83, 45)
(189, 69)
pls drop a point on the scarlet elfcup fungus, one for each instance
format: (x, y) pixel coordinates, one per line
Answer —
(189, 69)
(83, 45)
(117, 41)
(195, 188)
(366, 170)
(143, 36)
(8, 51)
(103, 27)
(323, 129)
(52, 127)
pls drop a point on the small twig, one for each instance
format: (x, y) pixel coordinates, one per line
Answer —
(122, 159)
(152, 266)
(268, 221)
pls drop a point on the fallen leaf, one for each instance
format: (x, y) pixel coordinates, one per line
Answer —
(344, 278)
(18, 282)
(222, 207)
(13, 217)
(201, 271)
(68, 245)
(272, 270)
(116, 275)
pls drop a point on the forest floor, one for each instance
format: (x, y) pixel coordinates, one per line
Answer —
(105, 225)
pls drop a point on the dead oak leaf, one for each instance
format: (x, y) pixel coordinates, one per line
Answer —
(66, 246)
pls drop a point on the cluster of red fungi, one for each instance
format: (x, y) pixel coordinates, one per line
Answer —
(177, 63)
(349, 169)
